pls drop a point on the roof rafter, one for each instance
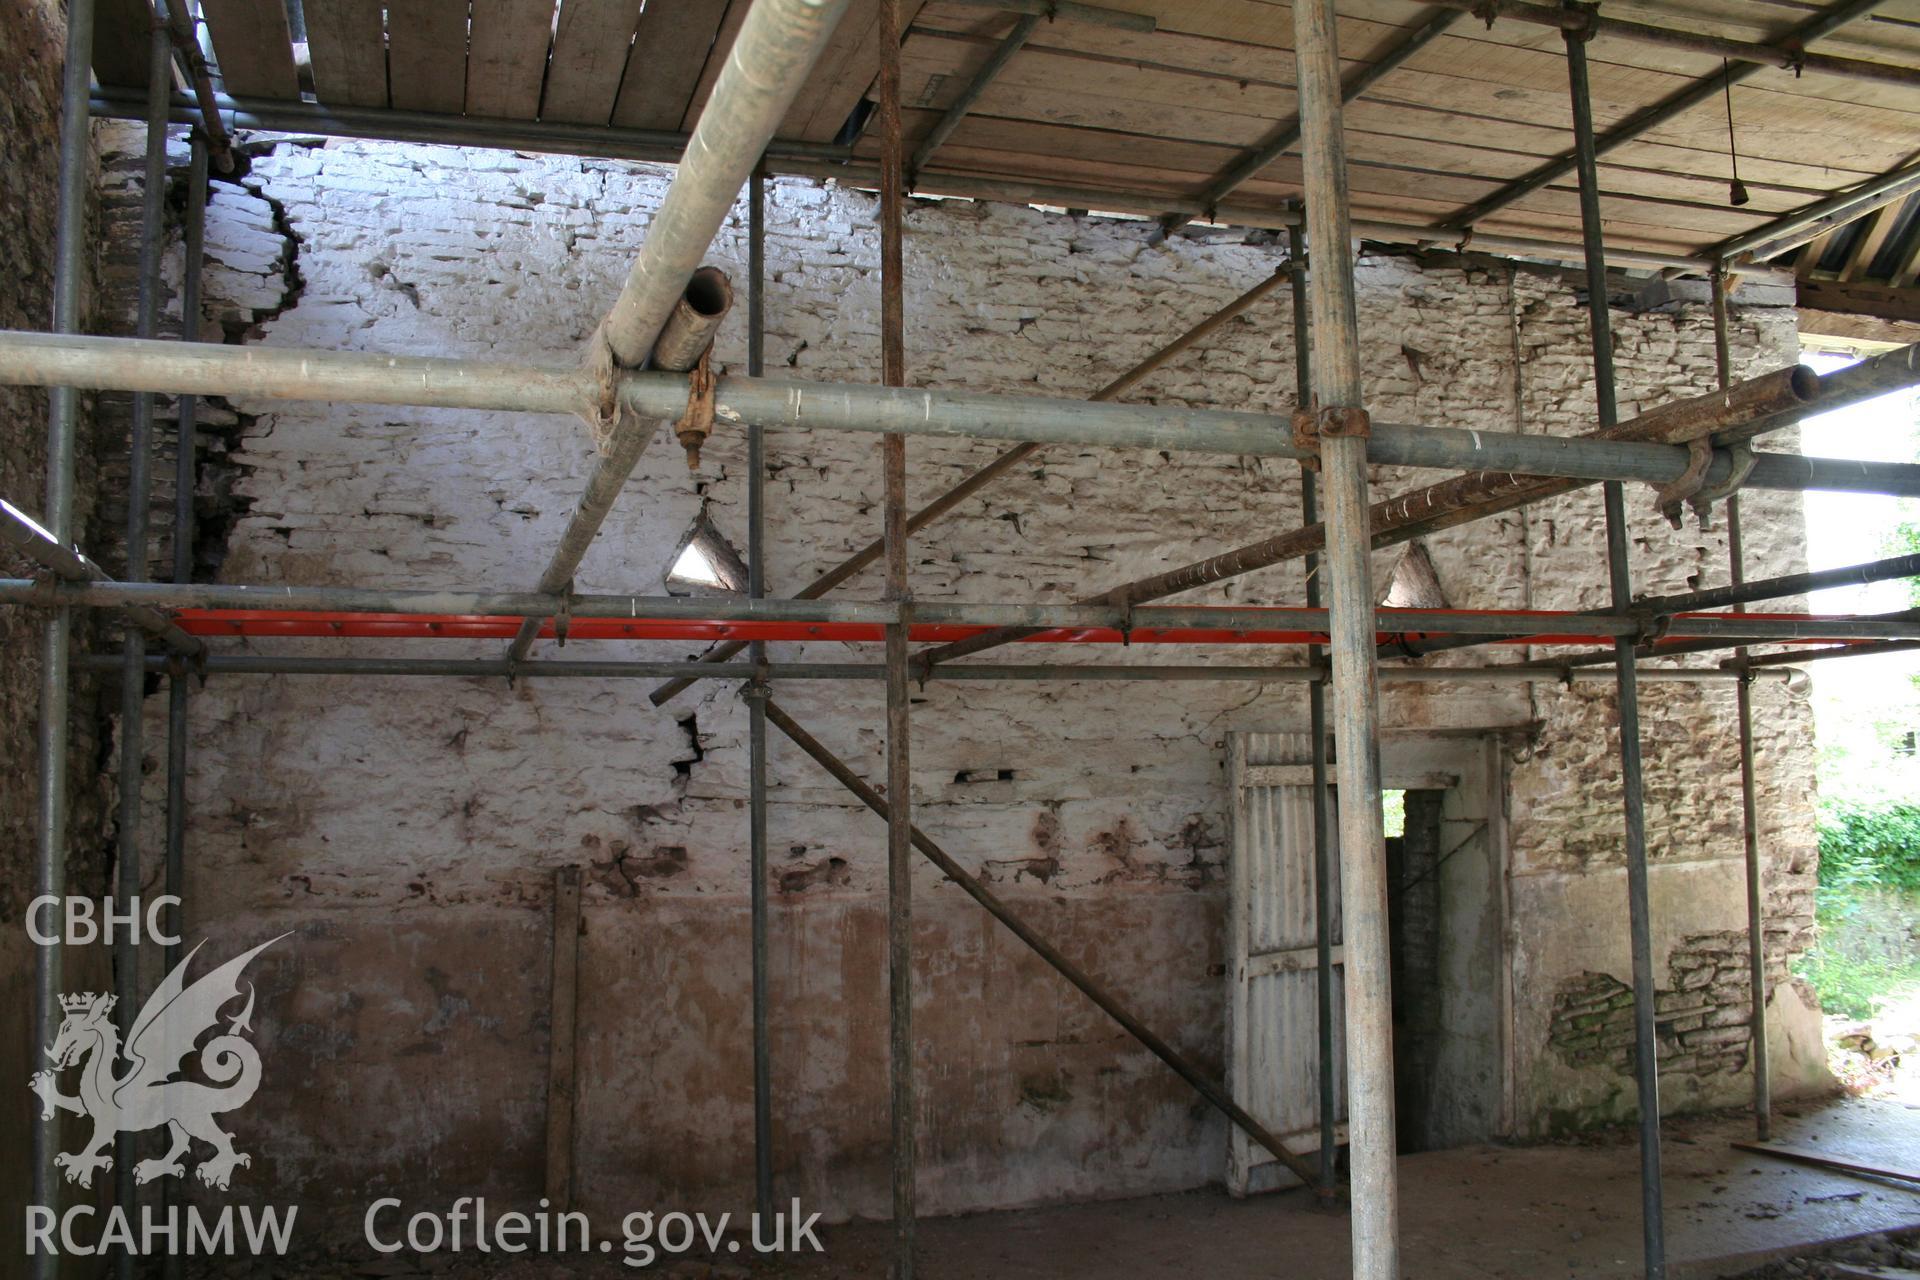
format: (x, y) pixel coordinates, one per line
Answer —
(1284, 138)
(1821, 24)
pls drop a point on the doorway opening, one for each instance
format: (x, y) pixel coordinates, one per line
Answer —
(1416, 929)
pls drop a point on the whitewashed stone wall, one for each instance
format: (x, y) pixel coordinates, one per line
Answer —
(408, 831)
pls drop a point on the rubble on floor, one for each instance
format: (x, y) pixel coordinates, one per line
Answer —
(1879, 1056)
(1888, 1257)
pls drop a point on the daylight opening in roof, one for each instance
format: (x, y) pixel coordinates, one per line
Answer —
(704, 563)
(693, 566)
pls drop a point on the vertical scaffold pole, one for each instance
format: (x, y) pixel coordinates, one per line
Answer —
(179, 685)
(50, 748)
(893, 373)
(1342, 427)
(757, 692)
(1620, 573)
(1317, 729)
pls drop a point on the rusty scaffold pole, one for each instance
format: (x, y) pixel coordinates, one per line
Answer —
(1620, 572)
(757, 692)
(1337, 417)
(180, 682)
(893, 373)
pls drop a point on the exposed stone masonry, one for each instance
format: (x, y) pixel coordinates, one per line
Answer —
(1700, 1015)
(408, 830)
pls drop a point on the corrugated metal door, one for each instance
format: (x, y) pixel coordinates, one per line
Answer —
(1273, 1060)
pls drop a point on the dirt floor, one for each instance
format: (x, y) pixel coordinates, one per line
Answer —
(1559, 1210)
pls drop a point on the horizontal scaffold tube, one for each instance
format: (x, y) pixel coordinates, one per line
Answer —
(1749, 592)
(436, 128)
(128, 364)
(33, 540)
(1791, 584)
(1006, 461)
(452, 614)
(1773, 660)
(1773, 400)
(977, 673)
(1777, 398)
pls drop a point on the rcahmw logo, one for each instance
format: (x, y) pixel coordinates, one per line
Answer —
(139, 1085)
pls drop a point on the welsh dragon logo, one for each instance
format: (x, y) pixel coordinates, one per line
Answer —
(146, 1095)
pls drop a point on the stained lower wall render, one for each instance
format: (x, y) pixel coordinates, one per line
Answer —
(406, 833)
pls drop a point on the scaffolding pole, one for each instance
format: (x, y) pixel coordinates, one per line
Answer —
(180, 683)
(893, 464)
(1646, 1060)
(1655, 608)
(1109, 1004)
(1462, 499)
(987, 673)
(1341, 422)
(1003, 464)
(66, 562)
(757, 692)
(1770, 661)
(776, 49)
(1641, 451)
(1749, 809)
(223, 609)
(1317, 759)
(50, 752)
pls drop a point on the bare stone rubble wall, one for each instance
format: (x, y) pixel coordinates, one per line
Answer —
(408, 832)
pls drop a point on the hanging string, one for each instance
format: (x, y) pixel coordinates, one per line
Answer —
(1738, 192)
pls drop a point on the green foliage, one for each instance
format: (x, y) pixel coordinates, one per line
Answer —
(1393, 813)
(1868, 907)
(1875, 847)
(1905, 541)
(1869, 950)
(1853, 986)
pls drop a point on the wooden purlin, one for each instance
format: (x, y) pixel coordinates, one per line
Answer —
(1531, 49)
(1268, 24)
(1665, 192)
(716, 60)
(1380, 164)
(670, 49)
(427, 55)
(845, 73)
(1367, 150)
(120, 45)
(1137, 97)
(347, 46)
(590, 47)
(254, 48)
(507, 57)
